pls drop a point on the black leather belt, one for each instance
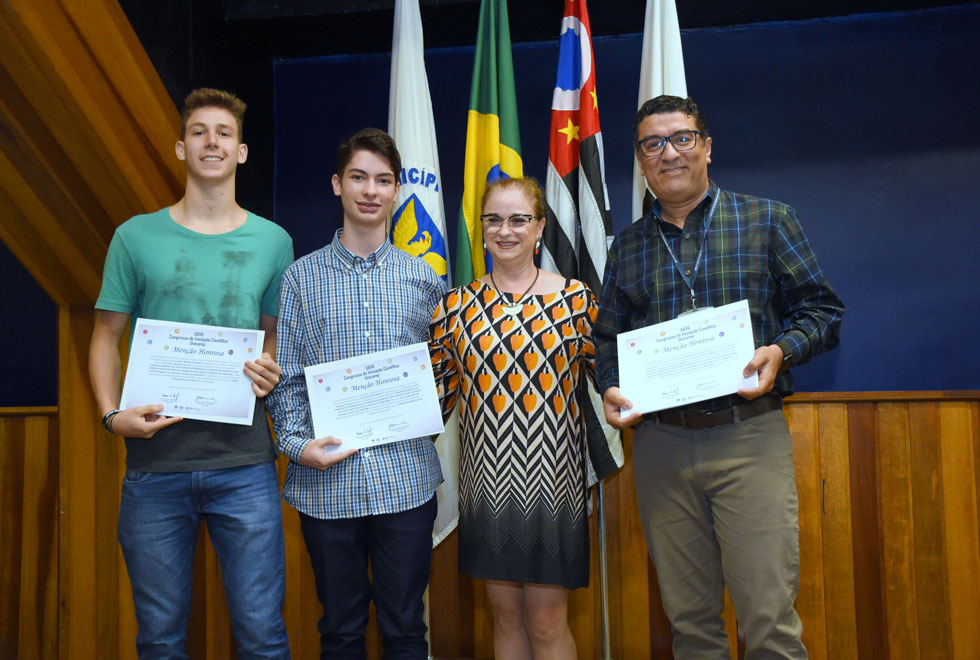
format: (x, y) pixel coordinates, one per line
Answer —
(698, 420)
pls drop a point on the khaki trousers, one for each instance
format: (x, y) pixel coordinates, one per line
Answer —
(719, 507)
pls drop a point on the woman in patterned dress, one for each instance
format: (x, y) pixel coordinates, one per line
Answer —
(510, 348)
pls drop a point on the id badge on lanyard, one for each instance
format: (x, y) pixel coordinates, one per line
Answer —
(689, 280)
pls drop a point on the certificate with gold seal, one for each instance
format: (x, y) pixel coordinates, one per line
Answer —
(376, 398)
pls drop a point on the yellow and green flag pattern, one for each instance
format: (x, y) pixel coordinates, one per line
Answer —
(493, 140)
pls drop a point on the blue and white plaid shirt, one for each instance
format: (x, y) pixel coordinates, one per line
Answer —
(335, 305)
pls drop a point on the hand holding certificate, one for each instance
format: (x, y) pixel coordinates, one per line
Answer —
(195, 371)
(375, 399)
(694, 357)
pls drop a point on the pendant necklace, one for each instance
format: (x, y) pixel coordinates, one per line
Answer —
(514, 308)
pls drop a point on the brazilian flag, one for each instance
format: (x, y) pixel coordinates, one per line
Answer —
(493, 141)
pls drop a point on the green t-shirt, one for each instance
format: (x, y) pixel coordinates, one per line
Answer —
(158, 269)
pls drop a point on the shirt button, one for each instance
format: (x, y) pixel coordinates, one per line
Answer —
(687, 271)
(367, 333)
(365, 303)
(687, 235)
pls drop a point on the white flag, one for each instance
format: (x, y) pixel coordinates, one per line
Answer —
(661, 71)
(419, 222)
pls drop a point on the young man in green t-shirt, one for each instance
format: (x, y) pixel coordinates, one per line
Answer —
(203, 260)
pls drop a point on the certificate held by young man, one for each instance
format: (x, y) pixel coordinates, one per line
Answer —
(195, 371)
(375, 399)
(695, 357)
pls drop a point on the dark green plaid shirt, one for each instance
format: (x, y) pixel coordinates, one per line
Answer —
(756, 250)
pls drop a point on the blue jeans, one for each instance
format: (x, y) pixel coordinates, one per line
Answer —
(159, 517)
(399, 546)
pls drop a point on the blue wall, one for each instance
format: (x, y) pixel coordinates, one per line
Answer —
(865, 124)
(29, 337)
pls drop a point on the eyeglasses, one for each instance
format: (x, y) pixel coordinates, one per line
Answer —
(654, 145)
(516, 221)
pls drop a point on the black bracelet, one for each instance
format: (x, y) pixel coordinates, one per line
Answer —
(107, 419)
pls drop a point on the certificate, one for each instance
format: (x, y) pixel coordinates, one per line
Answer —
(376, 398)
(195, 371)
(695, 357)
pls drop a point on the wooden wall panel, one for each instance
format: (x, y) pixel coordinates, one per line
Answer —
(302, 609)
(638, 620)
(77, 621)
(894, 483)
(28, 533)
(890, 542)
(811, 598)
(837, 547)
(866, 531)
(959, 487)
(931, 576)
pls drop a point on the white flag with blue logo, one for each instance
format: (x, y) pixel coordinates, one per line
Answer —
(419, 222)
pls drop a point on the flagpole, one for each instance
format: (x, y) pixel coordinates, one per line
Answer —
(603, 577)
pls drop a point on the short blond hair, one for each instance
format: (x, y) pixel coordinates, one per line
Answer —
(527, 185)
(206, 97)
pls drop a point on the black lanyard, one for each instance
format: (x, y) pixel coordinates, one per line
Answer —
(689, 281)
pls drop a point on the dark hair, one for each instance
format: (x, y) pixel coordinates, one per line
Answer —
(664, 104)
(205, 97)
(369, 139)
(526, 185)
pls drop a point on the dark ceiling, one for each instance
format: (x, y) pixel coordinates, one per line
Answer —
(351, 26)
(298, 28)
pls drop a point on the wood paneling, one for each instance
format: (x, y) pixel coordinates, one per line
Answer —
(809, 484)
(837, 541)
(875, 579)
(28, 533)
(888, 530)
(957, 440)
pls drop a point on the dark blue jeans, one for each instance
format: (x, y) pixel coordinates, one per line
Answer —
(399, 546)
(159, 517)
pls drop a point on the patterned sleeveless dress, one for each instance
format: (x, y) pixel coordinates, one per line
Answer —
(522, 489)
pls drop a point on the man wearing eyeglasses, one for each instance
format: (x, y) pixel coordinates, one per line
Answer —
(715, 482)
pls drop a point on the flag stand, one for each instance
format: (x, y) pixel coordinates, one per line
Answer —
(603, 577)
